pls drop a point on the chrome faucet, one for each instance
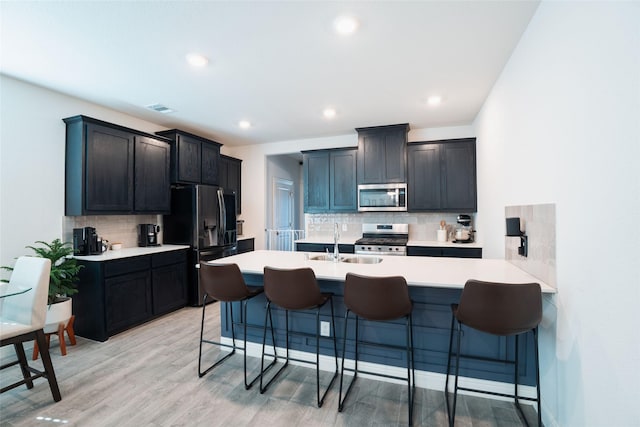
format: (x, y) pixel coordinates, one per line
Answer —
(336, 237)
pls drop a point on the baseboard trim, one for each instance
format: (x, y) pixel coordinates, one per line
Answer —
(424, 379)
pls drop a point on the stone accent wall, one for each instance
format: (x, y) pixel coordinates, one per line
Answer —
(422, 226)
(114, 228)
(539, 223)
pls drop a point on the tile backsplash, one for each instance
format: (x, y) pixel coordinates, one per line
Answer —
(538, 222)
(114, 228)
(422, 226)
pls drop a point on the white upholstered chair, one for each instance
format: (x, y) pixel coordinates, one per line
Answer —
(22, 320)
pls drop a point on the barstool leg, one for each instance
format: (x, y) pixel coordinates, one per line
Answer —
(537, 360)
(335, 374)
(410, 369)
(342, 400)
(264, 337)
(202, 373)
(446, 383)
(455, 387)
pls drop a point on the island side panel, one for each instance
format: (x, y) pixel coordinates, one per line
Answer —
(431, 323)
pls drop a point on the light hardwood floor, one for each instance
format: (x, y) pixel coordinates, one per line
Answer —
(147, 376)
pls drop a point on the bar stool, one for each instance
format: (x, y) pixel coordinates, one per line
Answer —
(503, 309)
(226, 284)
(296, 290)
(378, 299)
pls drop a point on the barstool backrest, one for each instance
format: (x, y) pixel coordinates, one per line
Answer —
(377, 298)
(500, 308)
(223, 282)
(294, 289)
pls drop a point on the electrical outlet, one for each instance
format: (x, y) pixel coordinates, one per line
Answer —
(344, 227)
(324, 329)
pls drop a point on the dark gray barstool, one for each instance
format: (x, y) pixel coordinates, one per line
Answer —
(226, 284)
(503, 309)
(295, 290)
(378, 299)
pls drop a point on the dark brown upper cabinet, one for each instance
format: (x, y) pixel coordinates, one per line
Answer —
(330, 180)
(442, 176)
(230, 178)
(382, 154)
(194, 159)
(111, 169)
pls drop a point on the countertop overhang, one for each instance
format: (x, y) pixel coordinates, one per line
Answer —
(437, 272)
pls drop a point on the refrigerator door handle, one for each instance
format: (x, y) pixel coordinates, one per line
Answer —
(223, 218)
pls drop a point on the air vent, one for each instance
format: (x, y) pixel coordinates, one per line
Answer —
(160, 108)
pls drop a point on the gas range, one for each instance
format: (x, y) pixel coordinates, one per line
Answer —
(383, 239)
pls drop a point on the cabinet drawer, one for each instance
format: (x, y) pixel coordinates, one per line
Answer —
(126, 265)
(167, 258)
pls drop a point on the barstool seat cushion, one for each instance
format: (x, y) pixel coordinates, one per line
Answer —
(294, 289)
(499, 308)
(225, 283)
(377, 298)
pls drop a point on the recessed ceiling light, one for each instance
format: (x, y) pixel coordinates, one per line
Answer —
(329, 113)
(345, 25)
(197, 60)
(434, 100)
(244, 124)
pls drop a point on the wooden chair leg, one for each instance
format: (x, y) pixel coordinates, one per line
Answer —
(63, 344)
(48, 366)
(70, 332)
(24, 366)
(35, 351)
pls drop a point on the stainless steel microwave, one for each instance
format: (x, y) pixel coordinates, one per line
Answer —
(382, 197)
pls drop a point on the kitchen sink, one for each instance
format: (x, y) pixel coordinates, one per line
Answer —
(362, 260)
(351, 260)
(323, 257)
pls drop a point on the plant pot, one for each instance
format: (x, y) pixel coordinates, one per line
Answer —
(58, 312)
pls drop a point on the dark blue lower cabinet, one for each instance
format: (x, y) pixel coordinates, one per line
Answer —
(431, 324)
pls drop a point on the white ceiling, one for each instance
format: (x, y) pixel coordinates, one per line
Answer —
(277, 64)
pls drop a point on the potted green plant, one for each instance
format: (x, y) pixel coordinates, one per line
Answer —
(62, 280)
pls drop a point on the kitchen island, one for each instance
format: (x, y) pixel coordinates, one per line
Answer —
(434, 283)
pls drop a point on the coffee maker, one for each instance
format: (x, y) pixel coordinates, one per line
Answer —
(86, 242)
(464, 232)
(148, 235)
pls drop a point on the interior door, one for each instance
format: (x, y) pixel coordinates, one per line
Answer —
(282, 215)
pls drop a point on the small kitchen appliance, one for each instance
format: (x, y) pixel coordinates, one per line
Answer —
(382, 197)
(383, 239)
(86, 241)
(148, 235)
(464, 233)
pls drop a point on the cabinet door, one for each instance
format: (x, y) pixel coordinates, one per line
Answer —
(128, 300)
(210, 162)
(152, 181)
(382, 154)
(231, 178)
(459, 183)
(371, 162)
(169, 288)
(234, 181)
(316, 181)
(342, 178)
(188, 160)
(424, 183)
(395, 156)
(109, 170)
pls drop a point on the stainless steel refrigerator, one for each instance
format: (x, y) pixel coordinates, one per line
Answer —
(204, 217)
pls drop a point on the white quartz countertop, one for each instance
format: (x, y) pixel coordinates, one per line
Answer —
(329, 240)
(427, 243)
(131, 252)
(436, 244)
(435, 272)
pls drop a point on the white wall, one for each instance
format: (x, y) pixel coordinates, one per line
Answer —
(562, 125)
(32, 144)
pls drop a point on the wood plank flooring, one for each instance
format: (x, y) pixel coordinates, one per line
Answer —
(147, 376)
